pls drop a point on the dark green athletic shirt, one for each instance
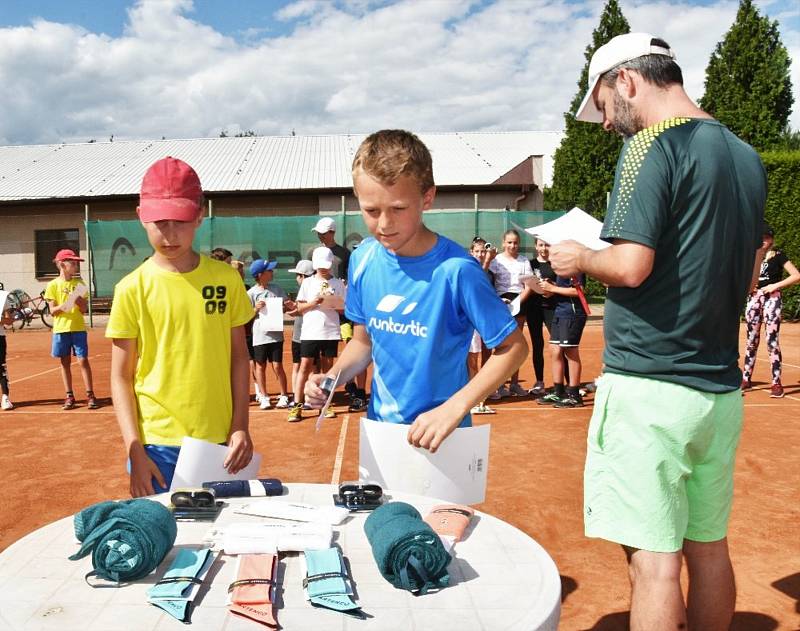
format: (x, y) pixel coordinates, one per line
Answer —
(694, 192)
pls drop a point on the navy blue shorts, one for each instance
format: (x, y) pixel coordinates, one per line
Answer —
(74, 343)
(566, 331)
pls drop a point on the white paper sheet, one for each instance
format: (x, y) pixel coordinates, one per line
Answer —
(332, 302)
(78, 292)
(455, 473)
(575, 225)
(270, 316)
(200, 461)
(514, 306)
(3, 296)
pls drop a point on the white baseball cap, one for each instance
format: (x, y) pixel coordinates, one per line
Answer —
(326, 224)
(303, 267)
(619, 50)
(322, 258)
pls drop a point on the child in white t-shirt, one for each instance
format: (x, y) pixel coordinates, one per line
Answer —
(321, 333)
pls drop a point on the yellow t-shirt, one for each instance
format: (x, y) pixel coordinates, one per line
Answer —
(58, 290)
(182, 324)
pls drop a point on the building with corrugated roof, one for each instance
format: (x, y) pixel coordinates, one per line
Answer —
(48, 191)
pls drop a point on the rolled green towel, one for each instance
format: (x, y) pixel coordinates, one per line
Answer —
(127, 539)
(408, 552)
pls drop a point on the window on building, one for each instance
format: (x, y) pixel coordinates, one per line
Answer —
(48, 243)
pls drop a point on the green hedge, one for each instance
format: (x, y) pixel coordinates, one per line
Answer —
(783, 214)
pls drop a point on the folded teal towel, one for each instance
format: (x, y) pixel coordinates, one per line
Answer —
(127, 539)
(408, 552)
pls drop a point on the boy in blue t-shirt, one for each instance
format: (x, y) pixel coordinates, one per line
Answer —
(415, 298)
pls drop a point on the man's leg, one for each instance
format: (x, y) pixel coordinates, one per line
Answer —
(712, 589)
(656, 597)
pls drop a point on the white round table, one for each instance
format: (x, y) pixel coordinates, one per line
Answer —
(501, 579)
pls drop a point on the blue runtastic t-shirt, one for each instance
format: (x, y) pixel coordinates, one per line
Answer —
(420, 313)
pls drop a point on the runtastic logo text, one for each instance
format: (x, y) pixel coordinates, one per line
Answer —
(390, 326)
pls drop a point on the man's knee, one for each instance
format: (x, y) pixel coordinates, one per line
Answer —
(648, 567)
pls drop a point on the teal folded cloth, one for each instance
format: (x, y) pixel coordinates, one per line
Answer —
(127, 539)
(175, 591)
(408, 552)
(327, 583)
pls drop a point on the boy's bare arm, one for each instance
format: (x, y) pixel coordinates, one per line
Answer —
(354, 359)
(123, 370)
(430, 428)
(240, 446)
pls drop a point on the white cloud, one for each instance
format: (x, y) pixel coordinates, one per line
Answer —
(350, 67)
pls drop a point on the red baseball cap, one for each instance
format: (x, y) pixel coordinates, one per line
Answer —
(170, 191)
(67, 255)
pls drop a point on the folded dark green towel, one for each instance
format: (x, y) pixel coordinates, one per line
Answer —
(127, 539)
(408, 552)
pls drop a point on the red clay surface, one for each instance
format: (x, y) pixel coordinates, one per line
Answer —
(53, 463)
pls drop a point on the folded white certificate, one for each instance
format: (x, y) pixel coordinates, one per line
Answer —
(3, 296)
(78, 292)
(455, 473)
(270, 316)
(332, 302)
(575, 225)
(200, 461)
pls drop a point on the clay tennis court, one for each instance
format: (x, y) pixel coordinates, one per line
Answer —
(53, 463)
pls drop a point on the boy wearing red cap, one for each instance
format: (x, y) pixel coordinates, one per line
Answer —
(179, 360)
(69, 329)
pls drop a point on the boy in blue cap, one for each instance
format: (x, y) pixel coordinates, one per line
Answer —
(267, 345)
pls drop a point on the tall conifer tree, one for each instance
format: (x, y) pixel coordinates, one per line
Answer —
(747, 80)
(584, 164)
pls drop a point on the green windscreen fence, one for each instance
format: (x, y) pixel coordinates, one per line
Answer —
(118, 247)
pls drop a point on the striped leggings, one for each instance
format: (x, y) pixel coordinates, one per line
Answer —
(766, 308)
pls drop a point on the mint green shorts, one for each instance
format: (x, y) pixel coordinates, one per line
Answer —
(659, 463)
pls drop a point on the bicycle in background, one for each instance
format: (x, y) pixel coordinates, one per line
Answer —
(23, 309)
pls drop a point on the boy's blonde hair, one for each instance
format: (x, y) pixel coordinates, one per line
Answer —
(390, 153)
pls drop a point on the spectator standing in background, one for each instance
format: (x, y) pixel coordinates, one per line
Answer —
(507, 267)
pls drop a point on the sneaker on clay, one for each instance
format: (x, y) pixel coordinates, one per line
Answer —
(264, 403)
(282, 402)
(517, 390)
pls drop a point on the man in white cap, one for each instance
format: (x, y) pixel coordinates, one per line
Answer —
(326, 233)
(684, 222)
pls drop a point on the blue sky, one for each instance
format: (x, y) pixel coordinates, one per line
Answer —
(76, 70)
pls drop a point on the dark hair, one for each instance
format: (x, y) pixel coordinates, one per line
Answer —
(767, 231)
(220, 254)
(511, 231)
(478, 240)
(660, 70)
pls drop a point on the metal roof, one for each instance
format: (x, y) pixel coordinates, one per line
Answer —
(261, 163)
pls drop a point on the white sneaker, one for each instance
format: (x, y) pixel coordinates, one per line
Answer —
(283, 402)
(264, 403)
(518, 391)
(6, 403)
(482, 408)
(258, 394)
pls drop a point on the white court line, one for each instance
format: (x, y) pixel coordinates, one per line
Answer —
(44, 372)
(337, 465)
